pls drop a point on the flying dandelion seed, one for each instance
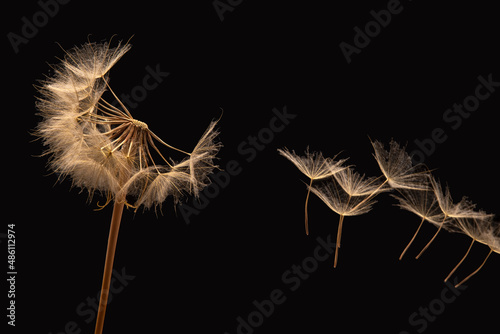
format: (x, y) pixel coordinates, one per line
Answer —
(397, 167)
(102, 148)
(480, 230)
(424, 204)
(462, 209)
(348, 194)
(315, 167)
(355, 184)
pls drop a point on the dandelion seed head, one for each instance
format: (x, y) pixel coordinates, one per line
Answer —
(101, 147)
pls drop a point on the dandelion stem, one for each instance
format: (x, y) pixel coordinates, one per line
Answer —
(305, 208)
(411, 241)
(430, 241)
(475, 271)
(459, 263)
(337, 244)
(108, 265)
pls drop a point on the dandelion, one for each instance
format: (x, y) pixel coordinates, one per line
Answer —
(355, 184)
(481, 230)
(102, 148)
(397, 167)
(349, 193)
(315, 167)
(356, 201)
(462, 209)
(424, 204)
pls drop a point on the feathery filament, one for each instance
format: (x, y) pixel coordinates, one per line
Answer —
(103, 148)
(348, 193)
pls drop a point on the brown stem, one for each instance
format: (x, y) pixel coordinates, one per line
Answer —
(305, 208)
(337, 244)
(411, 241)
(459, 263)
(430, 241)
(475, 271)
(108, 265)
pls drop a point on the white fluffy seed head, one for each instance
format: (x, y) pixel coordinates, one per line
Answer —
(103, 148)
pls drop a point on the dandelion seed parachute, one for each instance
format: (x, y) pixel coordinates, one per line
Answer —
(315, 167)
(346, 192)
(482, 230)
(397, 167)
(356, 184)
(462, 209)
(344, 203)
(424, 204)
(341, 202)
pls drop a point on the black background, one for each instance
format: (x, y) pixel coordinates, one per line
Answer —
(202, 276)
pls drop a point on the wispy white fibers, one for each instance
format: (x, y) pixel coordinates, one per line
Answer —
(315, 167)
(424, 204)
(481, 229)
(348, 193)
(462, 209)
(397, 167)
(102, 147)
